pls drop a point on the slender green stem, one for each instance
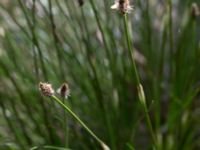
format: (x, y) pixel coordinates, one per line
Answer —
(65, 126)
(21, 123)
(141, 94)
(15, 21)
(130, 50)
(56, 41)
(171, 40)
(102, 31)
(12, 128)
(22, 97)
(148, 20)
(80, 121)
(34, 38)
(111, 64)
(33, 45)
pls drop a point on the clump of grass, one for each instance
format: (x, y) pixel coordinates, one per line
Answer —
(134, 74)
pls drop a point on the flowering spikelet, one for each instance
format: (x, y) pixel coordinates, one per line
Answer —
(46, 89)
(64, 90)
(122, 5)
(195, 12)
(80, 2)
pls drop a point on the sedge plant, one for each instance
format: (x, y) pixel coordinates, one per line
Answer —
(47, 90)
(133, 95)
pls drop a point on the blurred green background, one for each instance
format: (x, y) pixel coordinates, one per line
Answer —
(83, 43)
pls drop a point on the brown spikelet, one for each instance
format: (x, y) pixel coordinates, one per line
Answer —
(195, 12)
(80, 2)
(122, 5)
(64, 90)
(46, 89)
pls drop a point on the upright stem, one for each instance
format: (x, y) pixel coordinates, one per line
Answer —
(141, 94)
(33, 45)
(171, 43)
(111, 67)
(12, 128)
(104, 146)
(56, 41)
(65, 126)
(130, 50)
(102, 32)
(34, 39)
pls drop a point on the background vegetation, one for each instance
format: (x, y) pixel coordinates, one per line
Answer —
(84, 44)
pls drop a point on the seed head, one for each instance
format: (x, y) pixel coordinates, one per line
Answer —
(122, 5)
(195, 12)
(80, 2)
(64, 90)
(46, 89)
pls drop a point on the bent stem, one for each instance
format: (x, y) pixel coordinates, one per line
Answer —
(140, 90)
(103, 145)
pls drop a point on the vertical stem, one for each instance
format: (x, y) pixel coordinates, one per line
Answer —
(171, 43)
(56, 41)
(102, 31)
(65, 126)
(33, 45)
(12, 128)
(97, 83)
(35, 42)
(22, 97)
(130, 50)
(106, 4)
(21, 124)
(34, 39)
(148, 29)
(159, 75)
(141, 94)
